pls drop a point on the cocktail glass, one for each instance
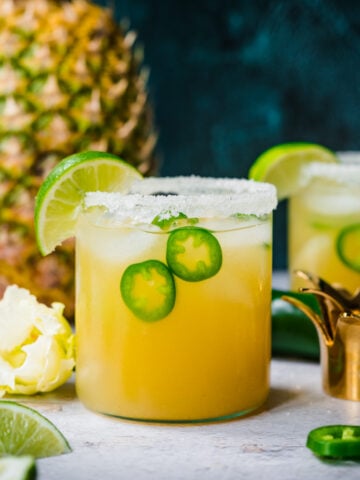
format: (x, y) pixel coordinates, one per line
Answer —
(173, 299)
(324, 224)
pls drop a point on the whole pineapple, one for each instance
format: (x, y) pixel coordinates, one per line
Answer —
(70, 80)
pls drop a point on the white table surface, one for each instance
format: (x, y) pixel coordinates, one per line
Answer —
(269, 444)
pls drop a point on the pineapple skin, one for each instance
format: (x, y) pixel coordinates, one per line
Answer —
(71, 79)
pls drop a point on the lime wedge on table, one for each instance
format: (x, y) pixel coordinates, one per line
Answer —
(24, 431)
(281, 165)
(60, 197)
(17, 468)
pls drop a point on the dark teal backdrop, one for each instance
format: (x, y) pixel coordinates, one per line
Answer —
(231, 78)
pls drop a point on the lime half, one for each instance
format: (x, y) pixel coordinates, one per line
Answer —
(281, 165)
(25, 431)
(348, 246)
(17, 468)
(60, 197)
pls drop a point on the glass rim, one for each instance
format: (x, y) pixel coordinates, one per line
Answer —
(344, 172)
(193, 196)
(349, 156)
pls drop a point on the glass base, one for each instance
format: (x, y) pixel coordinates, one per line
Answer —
(221, 418)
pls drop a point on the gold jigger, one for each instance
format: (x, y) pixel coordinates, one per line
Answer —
(338, 327)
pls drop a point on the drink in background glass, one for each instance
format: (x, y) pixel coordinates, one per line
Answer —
(324, 224)
(173, 299)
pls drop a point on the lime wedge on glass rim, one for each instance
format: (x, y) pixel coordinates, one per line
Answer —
(24, 431)
(281, 165)
(60, 197)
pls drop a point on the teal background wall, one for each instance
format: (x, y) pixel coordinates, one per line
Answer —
(230, 78)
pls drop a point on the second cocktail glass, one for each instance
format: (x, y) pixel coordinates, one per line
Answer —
(173, 299)
(324, 224)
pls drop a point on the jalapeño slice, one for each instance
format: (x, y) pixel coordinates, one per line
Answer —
(193, 253)
(335, 441)
(348, 246)
(166, 219)
(148, 290)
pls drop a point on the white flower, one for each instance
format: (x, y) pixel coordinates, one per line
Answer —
(36, 344)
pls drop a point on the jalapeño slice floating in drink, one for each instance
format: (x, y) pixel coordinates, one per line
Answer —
(193, 253)
(148, 290)
(167, 219)
(348, 246)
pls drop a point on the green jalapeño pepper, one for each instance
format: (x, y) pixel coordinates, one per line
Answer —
(335, 441)
(293, 333)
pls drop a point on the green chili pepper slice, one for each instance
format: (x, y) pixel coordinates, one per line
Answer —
(148, 290)
(167, 219)
(335, 441)
(193, 253)
(348, 246)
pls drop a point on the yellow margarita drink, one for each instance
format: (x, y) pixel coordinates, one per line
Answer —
(324, 225)
(173, 299)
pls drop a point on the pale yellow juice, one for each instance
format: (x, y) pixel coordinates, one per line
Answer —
(208, 357)
(324, 227)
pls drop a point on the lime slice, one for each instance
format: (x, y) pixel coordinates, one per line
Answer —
(25, 431)
(18, 468)
(281, 165)
(348, 246)
(148, 290)
(60, 197)
(193, 254)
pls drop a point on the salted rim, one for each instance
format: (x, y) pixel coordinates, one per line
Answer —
(349, 156)
(343, 172)
(195, 196)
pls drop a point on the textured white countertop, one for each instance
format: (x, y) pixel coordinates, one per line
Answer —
(267, 445)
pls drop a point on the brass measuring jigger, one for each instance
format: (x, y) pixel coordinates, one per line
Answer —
(338, 326)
